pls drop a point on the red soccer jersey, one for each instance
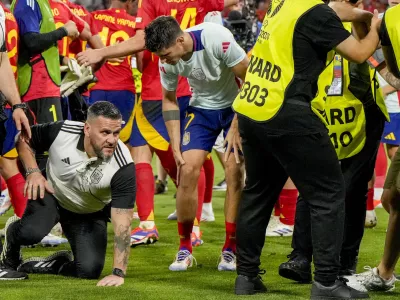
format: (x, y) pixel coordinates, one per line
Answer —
(12, 38)
(188, 13)
(116, 26)
(78, 46)
(62, 14)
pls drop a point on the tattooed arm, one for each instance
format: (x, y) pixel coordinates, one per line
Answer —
(121, 220)
(389, 76)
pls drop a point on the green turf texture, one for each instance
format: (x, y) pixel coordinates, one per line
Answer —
(149, 278)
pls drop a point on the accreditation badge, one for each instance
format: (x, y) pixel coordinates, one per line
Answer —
(336, 88)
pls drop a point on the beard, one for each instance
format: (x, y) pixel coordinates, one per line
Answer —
(100, 154)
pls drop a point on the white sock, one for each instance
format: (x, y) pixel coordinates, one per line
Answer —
(196, 230)
(147, 224)
(207, 207)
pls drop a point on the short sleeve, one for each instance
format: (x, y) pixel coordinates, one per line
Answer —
(92, 24)
(224, 46)
(123, 187)
(146, 14)
(384, 35)
(43, 135)
(2, 30)
(323, 28)
(28, 16)
(169, 80)
(213, 5)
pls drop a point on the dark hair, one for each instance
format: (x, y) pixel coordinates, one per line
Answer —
(162, 33)
(103, 109)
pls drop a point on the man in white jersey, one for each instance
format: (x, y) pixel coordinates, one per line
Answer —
(208, 55)
(91, 177)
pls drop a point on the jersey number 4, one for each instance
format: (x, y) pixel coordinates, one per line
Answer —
(189, 18)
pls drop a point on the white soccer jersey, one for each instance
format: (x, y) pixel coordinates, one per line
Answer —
(2, 30)
(208, 71)
(392, 100)
(214, 17)
(82, 184)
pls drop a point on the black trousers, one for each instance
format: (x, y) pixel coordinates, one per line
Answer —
(87, 234)
(357, 172)
(311, 161)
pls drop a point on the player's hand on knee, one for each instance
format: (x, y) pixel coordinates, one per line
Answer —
(233, 141)
(111, 280)
(179, 163)
(36, 184)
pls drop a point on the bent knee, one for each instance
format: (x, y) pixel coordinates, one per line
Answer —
(90, 269)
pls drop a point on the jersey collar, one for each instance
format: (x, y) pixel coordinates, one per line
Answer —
(81, 145)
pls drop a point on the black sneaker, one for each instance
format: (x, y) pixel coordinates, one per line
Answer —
(11, 256)
(8, 274)
(161, 187)
(297, 268)
(46, 265)
(337, 291)
(245, 285)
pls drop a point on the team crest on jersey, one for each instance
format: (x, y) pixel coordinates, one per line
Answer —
(186, 138)
(96, 176)
(198, 74)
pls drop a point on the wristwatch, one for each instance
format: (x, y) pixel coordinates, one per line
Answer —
(118, 272)
(19, 105)
(30, 171)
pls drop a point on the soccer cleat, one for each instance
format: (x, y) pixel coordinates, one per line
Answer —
(227, 261)
(207, 214)
(196, 240)
(141, 236)
(11, 257)
(220, 186)
(183, 260)
(161, 187)
(297, 268)
(173, 216)
(337, 291)
(52, 240)
(370, 219)
(8, 274)
(5, 202)
(370, 281)
(245, 285)
(46, 265)
(279, 229)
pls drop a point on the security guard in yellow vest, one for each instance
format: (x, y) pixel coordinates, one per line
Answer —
(283, 131)
(382, 277)
(355, 123)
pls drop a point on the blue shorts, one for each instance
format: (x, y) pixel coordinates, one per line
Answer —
(149, 126)
(65, 108)
(124, 101)
(202, 127)
(391, 133)
(9, 142)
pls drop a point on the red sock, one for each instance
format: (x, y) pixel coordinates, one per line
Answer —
(380, 166)
(185, 231)
(145, 192)
(209, 172)
(288, 199)
(370, 199)
(200, 195)
(3, 183)
(16, 188)
(277, 210)
(168, 162)
(230, 240)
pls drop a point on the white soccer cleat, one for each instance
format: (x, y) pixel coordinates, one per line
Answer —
(5, 202)
(370, 281)
(370, 219)
(227, 261)
(220, 186)
(183, 260)
(173, 216)
(207, 213)
(52, 240)
(278, 228)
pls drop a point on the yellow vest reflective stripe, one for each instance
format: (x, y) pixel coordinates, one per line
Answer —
(271, 67)
(393, 29)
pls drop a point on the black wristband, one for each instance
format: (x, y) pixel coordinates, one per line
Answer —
(118, 272)
(19, 105)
